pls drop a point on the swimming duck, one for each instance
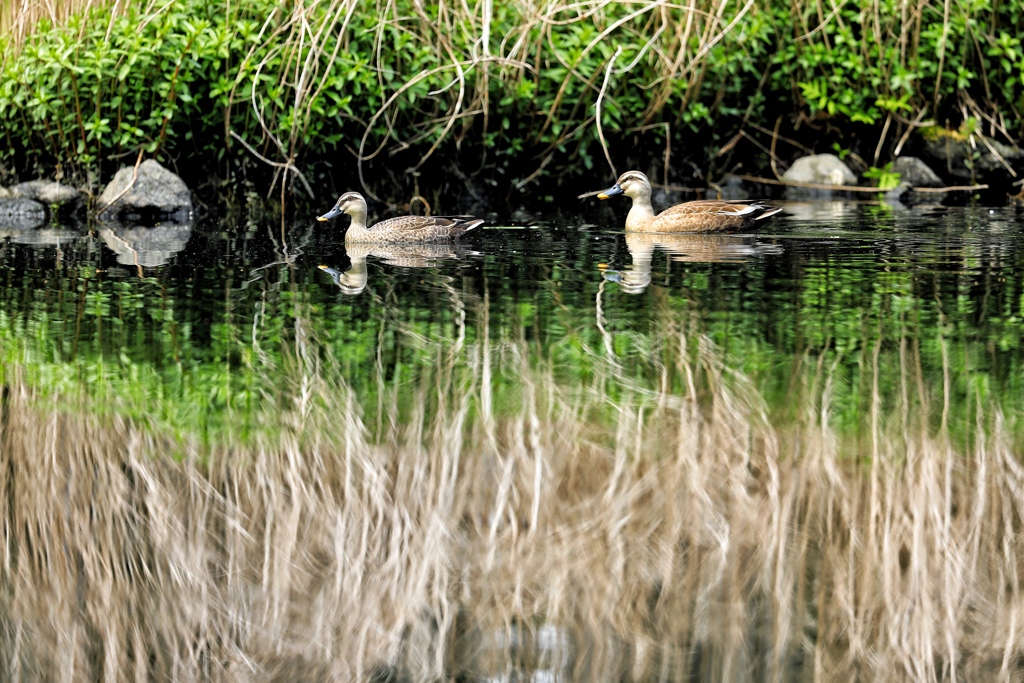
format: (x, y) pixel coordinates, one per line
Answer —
(402, 229)
(701, 216)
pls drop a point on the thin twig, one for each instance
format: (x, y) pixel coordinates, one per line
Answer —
(772, 157)
(660, 186)
(461, 78)
(951, 188)
(803, 148)
(881, 139)
(421, 200)
(288, 166)
(528, 179)
(943, 37)
(600, 97)
(809, 186)
(757, 143)
(361, 156)
(135, 176)
(910, 129)
(729, 146)
(856, 188)
(996, 154)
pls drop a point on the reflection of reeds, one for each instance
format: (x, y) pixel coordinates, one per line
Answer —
(683, 534)
(18, 18)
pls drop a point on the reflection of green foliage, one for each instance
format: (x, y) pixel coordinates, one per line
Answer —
(197, 353)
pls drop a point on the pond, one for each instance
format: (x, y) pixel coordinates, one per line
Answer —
(549, 451)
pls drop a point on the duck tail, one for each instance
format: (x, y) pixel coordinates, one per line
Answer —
(768, 213)
(469, 224)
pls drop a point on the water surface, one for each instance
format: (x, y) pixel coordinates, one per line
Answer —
(825, 278)
(549, 452)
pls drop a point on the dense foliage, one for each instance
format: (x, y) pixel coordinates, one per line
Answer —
(514, 85)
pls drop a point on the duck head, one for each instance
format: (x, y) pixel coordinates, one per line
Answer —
(351, 203)
(633, 184)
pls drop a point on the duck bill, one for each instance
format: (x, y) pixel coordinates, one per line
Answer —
(610, 192)
(329, 215)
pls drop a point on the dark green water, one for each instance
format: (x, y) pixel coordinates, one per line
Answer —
(190, 323)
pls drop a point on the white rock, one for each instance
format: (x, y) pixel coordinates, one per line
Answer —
(820, 169)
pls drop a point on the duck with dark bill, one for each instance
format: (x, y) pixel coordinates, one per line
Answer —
(706, 215)
(398, 230)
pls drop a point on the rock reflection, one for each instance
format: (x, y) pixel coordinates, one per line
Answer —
(536, 653)
(146, 246)
(683, 249)
(33, 232)
(353, 281)
(822, 211)
(36, 236)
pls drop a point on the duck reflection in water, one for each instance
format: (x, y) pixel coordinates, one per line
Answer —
(684, 249)
(353, 281)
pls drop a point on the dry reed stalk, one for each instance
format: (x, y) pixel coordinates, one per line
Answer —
(688, 536)
(18, 18)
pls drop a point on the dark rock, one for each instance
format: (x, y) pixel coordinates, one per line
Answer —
(47, 192)
(522, 216)
(895, 195)
(732, 187)
(916, 173)
(142, 246)
(21, 208)
(820, 169)
(156, 192)
(954, 155)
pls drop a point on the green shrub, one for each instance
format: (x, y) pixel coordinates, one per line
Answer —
(303, 82)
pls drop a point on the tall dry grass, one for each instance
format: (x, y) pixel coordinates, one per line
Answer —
(686, 537)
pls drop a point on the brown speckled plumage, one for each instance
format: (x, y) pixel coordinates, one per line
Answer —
(706, 215)
(399, 230)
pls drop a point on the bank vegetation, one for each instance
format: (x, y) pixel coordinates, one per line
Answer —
(515, 91)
